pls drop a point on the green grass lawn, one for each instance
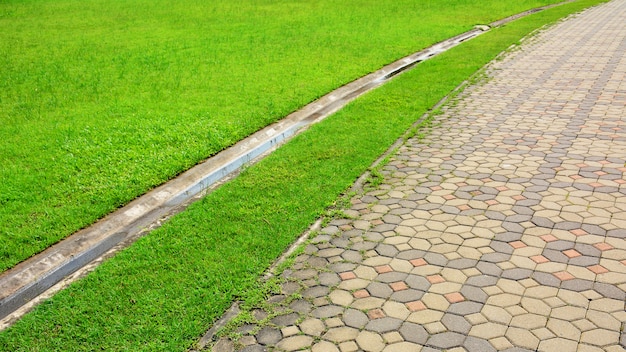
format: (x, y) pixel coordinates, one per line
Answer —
(101, 100)
(163, 292)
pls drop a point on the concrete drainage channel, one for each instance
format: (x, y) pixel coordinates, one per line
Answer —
(39, 277)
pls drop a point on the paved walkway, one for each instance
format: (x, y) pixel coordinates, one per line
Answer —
(504, 229)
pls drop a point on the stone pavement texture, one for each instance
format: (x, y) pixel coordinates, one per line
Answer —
(503, 229)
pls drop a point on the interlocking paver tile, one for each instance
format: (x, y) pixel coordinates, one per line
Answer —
(501, 229)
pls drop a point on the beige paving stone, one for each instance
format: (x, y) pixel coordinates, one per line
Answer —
(607, 305)
(435, 328)
(603, 320)
(425, 316)
(392, 337)
(341, 334)
(290, 331)
(614, 348)
(536, 306)
(511, 286)
(501, 343)
(348, 346)
(558, 344)
(564, 329)
(492, 290)
(365, 272)
(504, 299)
(435, 301)
(516, 310)
(554, 302)
(399, 265)
(324, 346)
(600, 337)
(476, 318)
(488, 330)
(573, 298)
(333, 323)
(445, 287)
(529, 321)
(396, 310)
(376, 261)
(543, 333)
(370, 341)
(341, 298)
(368, 303)
(522, 338)
(294, 343)
(312, 327)
(584, 325)
(496, 314)
(589, 348)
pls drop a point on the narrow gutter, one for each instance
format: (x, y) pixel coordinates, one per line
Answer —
(53, 269)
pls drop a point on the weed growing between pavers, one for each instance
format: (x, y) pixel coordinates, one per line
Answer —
(164, 292)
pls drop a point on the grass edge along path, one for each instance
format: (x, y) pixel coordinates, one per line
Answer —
(163, 292)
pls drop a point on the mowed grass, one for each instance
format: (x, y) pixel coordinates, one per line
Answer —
(163, 292)
(101, 100)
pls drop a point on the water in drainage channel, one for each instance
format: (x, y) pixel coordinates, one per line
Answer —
(39, 277)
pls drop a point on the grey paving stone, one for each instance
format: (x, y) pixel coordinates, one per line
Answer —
(285, 320)
(366, 245)
(342, 267)
(474, 344)
(379, 289)
(327, 311)
(254, 348)
(609, 291)
(482, 280)
(462, 263)
(542, 222)
(317, 262)
(465, 308)
(355, 318)
(304, 274)
(446, 340)
(546, 279)
(352, 256)
(329, 279)
(517, 274)
(393, 276)
(386, 250)
(436, 259)
(577, 285)
(224, 345)
(417, 282)
(456, 323)
(413, 333)
(268, 336)
(316, 291)
(383, 325)
(406, 296)
(410, 254)
(500, 248)
(301, 306)
(473, 293)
